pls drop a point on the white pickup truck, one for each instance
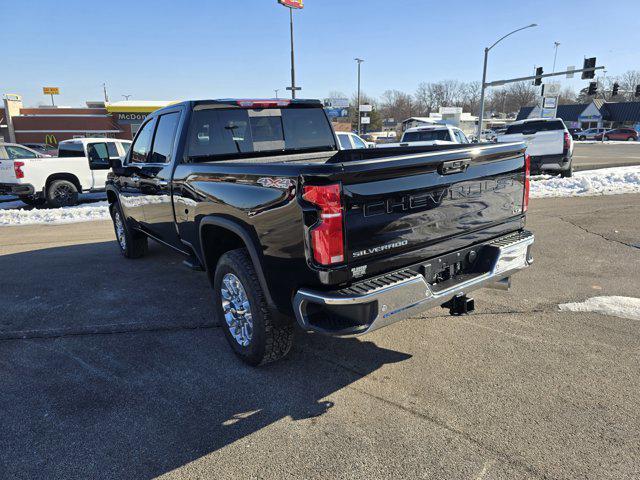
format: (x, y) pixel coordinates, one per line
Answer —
(81, 166)
(429, 135)
(549, 144)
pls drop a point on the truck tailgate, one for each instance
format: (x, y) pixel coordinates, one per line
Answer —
(539, 143)
(7, 174)
(409, 203)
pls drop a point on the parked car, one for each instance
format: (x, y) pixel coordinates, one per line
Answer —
(431, 135)
(291, 228)
(43, 148)
(348, 140)
(575, 132)
(590, 133)
(81, 166)
(624, 134)
(548, 143)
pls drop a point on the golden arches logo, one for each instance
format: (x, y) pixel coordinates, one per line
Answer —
(50, 139)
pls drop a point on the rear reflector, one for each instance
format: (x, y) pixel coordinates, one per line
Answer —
(326, 236)
(527, 182)
(264, 103)
(567, 142)
(17, 169)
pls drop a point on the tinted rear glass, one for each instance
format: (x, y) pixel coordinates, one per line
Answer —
(229, 131)
(71, 150)
(534, 127)
(426, 136)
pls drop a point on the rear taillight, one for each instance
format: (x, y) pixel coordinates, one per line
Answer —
(17, 169)
(327, 239)
(527, 182)
(567, 142)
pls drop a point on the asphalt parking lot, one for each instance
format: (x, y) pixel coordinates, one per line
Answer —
(113, 369)
(588, 156)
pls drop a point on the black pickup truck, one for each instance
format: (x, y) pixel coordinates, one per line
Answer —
(290, 228)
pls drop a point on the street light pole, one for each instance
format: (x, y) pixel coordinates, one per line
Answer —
(484, 75)
(555, 56)
(359, 61)
(277, 90)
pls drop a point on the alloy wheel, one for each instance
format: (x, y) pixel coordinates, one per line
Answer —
(237, 309)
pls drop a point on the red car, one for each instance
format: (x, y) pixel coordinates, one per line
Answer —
(625, 134)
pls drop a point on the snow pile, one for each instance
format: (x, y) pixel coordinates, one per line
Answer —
(624, 307)
(606, 181)
(80, 213)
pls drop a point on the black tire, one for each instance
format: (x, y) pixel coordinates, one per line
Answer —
(582, 138)
(606, 139)
(131, 243)
(33, 201)
(631, 139)
(567, 173)
(61, 193)
(268, 342)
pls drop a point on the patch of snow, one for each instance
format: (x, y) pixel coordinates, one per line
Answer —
(606, 181)
(624, 307)
(79, 213)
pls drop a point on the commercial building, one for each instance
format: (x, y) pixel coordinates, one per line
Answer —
(597, 114)
(53, 124)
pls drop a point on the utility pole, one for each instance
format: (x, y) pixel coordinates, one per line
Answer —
(359, 61)
(555, 56)
(106, 97)
(276, 90)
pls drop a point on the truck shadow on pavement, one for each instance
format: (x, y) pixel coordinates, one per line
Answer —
(113, 369)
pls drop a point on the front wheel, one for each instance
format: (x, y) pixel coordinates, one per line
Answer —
(242, 312)
(133, 244)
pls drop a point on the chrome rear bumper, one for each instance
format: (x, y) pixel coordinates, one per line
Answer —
(395, 296)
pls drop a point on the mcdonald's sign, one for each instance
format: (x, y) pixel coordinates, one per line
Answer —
(50, 139)
(292, 3)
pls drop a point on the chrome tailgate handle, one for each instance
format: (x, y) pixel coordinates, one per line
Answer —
(454, 166)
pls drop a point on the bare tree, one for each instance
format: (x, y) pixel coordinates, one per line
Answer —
(398, 105)
(628, 82)
(520, 94)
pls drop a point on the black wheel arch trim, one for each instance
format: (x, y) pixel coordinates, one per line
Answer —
(249, 241)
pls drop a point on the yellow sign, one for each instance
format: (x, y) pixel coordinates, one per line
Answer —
(51, 90)
(50, 139)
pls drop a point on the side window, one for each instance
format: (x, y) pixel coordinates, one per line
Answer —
(344, 141)
(142, 145)
(18, 152)
(125, 147)
(98, 152)
(163, 141)
(113, 150)
(358, 142)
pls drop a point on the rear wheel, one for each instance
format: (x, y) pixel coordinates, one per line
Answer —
(241, 311)
(567, 173)
(132, 244)
(62, 193)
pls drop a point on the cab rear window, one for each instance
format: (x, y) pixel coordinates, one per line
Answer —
(215, 131)
(534, 127)
(70, 150)
(426, 136)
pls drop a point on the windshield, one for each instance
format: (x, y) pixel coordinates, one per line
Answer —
(228, 131)
(426, 136)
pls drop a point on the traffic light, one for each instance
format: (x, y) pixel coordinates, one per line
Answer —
(589, 63)
(538, 80)
(637, 94)
(593, 88)
(616, 87)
